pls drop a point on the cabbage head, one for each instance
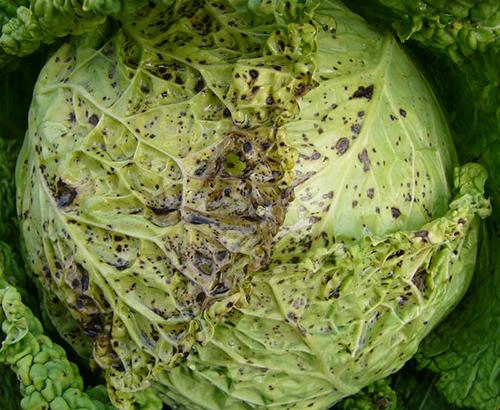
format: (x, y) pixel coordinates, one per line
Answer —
(241, 204)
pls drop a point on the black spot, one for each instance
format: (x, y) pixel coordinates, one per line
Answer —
(165, 210)
(334, 293)
(356, 128)
(93, 119)
(395, 212)
(65, 194)
(315, 155)
(199, 86)
(364, 92)
(94, 327)
(84, 281)
(396, 254)
(247, 147)
(424, 235)
(402, 112)
(204, 264)
(254, 74)
(219, 289)
(121, 264)
(199, 220)
(200, 297)
(419, 279)
(200, 170)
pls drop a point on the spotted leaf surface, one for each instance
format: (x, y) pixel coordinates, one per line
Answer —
(157, 174)
(341, 318)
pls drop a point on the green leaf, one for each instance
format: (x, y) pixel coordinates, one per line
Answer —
(464, 350)
(345, 316)
(9, 389)
(27, 24)
(376, 396)
(45, 375)
(192, 99)
(8, 222)
(416, 390)
(461, 48)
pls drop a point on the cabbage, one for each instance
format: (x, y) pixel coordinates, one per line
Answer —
(243, 196)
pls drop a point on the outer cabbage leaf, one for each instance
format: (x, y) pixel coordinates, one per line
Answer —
(9, 389)
(46, 377)
(8, 155)
(341, 318)
(9, 227)
(376, 396)
(462, 29)
(416, 390)
(27, 24)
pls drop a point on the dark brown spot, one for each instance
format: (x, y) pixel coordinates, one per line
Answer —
(199, 86)
(364, 92)
(419, 279)
(93, 119)
(342, 146)
(254, 74)
(365, 160)
(395, 212)
(65, 194)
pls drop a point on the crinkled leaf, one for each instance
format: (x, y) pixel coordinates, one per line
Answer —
(462, 29)
(45, 375)
(376, 396)
(172, 162)
(342, 318)
(27, 24)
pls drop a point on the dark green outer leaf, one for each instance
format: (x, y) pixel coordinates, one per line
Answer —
(416, 390)
(9, 389)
